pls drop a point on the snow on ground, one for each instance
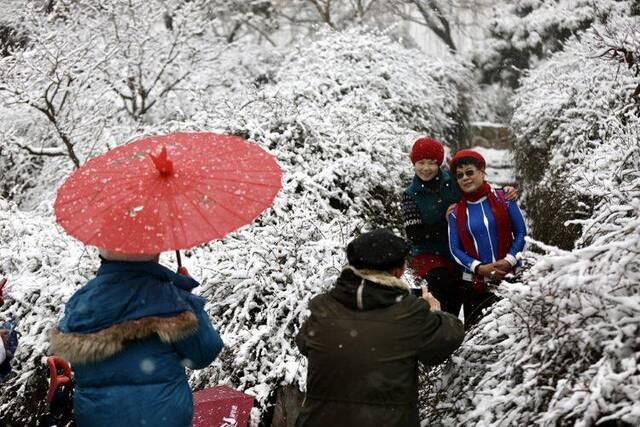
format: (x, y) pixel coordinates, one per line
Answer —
(500, 171)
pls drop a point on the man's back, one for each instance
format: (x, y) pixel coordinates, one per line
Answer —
(363, 341)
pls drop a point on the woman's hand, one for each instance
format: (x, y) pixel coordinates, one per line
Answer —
(491, 271)
(510, 193)
(433, 302)
(503, 265)
(450, 209)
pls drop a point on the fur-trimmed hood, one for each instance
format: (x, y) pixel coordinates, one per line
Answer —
(98, 346)
(368, 289)
(127, 301)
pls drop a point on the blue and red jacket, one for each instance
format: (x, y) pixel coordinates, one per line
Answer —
(481, 227)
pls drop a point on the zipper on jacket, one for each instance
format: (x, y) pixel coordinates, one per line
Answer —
(359, 295)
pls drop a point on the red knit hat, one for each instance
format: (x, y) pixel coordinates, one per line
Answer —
(427, 148)
(466, 153)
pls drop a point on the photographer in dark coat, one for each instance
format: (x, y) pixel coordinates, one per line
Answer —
(365, 337)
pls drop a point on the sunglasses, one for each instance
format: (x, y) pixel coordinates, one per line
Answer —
(469, 172)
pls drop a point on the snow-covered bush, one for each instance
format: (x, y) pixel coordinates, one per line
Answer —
(562, 346)
(44, 267)
(522, 32)
(564, 109)
(91, 77)
(339, 114)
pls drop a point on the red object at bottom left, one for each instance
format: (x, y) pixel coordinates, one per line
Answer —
(221, 406)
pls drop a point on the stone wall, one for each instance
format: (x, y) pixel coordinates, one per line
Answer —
(490, 135)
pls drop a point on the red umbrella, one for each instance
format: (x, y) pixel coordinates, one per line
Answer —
(167, 192)
(221, 406)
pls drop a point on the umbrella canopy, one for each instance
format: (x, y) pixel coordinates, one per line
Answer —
(221, 406)
(167, 192)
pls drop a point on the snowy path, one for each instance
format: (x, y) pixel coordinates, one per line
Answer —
(500, 169)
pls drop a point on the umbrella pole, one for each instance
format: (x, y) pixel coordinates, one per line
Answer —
(179, 259)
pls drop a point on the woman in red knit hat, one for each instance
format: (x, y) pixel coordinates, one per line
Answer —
(424, 205)
(486, 232)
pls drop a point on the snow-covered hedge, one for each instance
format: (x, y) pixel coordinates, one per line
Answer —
(339, 114)
(44, 267)
(562, 346)
(521, 33)
(89, 78)
(563, 110)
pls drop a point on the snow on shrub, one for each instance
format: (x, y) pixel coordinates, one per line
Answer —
(521, 33)
(562, 346)
(91, 77)
(420, 92)
(563, 108)
(339, 114)
(44, 267)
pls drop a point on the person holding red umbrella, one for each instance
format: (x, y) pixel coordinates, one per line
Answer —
(130, 332)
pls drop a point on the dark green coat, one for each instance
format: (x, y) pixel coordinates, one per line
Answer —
(363, 352)
(424, 206)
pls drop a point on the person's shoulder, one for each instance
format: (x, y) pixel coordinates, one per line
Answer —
(447, 177)
(408, 195)
(448, 185)
(500, 193)
(323, 306)
(413, 306)
(86, 291)
(410, 189)
(320, 299)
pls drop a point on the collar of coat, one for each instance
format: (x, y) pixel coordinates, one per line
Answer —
(97, 346)
(368, 289)
(379, 277)
(418, 186)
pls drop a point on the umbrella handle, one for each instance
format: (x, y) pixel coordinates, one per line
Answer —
(181, 270)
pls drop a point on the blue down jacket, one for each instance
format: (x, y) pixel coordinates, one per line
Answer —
(128, 335)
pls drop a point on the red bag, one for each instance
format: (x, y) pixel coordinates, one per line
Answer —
(221, 406)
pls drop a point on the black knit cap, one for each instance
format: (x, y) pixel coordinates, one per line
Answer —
(377, 250)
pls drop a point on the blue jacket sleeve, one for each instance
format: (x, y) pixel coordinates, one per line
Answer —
(201, 348)
(518, 228)
(458, 253)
